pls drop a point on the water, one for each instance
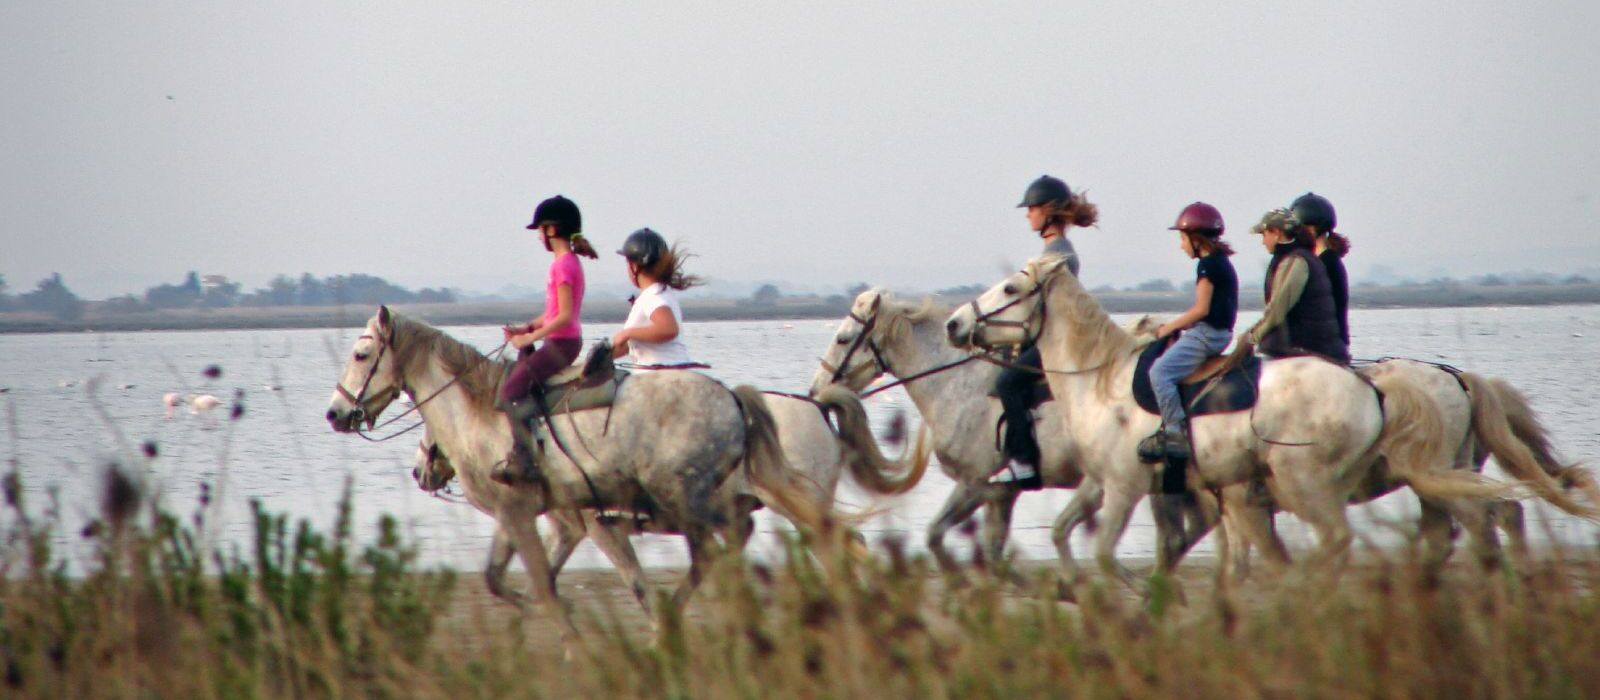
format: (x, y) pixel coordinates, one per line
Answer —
(282, 452)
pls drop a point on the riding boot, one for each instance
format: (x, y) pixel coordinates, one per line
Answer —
(520, 464)
(1023, 449)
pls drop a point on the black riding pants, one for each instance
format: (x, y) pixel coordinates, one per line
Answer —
(1015, 387)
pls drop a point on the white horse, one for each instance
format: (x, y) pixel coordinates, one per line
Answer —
(810, 446)
(1313, 433)
(886, 336)
(665, 446)
(1480, 417)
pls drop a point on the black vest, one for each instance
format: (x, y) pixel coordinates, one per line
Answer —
(1312, 325)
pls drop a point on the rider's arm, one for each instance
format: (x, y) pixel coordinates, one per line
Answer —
(663, 327)
(563, 317)
(1202, 306)
(1287, 286)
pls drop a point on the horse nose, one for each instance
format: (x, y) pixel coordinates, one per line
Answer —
(952, 329)
(333, 416)
(416, 473)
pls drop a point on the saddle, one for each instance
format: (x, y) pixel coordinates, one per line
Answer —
(1236, 391)
(592, 384)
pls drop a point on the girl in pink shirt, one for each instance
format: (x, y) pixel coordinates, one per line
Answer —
(560, 228)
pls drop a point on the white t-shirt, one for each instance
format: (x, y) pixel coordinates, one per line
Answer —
(671, 352)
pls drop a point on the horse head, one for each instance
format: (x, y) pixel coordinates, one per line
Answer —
(854, 359)
(1009, 313)
(371, 379)
(433, 469)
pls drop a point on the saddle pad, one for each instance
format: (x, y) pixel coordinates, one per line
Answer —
(1236, 391)
(577, 396)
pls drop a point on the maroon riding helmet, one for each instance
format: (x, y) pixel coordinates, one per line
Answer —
(1199, 218)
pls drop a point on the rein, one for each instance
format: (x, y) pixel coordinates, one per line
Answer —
(862, 338)
(361, 405)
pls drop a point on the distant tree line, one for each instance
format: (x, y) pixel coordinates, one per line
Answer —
(53, 297)
(283, 290)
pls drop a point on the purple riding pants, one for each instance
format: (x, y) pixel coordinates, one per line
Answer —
(534, 367)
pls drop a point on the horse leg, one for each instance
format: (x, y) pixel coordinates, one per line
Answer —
(568, 532)
(1476, 517)
(1249, 524)
(964, 500)
(1438, 532)
(501, 550)
(997, 524)
(612, 540)
(1508, 515)
(1085, 501)
(701, 550)
(523, 528)
(1116, 509)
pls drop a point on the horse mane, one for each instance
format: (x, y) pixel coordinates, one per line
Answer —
(416, 342)
(1097, 341)
(896, 317)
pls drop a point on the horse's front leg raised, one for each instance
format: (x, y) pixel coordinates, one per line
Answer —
(501, 550)
(964, 500)
(1085, 501)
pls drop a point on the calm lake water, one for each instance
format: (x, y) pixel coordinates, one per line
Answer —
(78, 401)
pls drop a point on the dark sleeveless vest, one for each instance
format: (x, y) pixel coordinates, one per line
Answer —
(1312, 325)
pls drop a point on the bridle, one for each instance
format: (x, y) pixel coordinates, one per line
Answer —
(864, 338)
(360, 399)
(982, 320)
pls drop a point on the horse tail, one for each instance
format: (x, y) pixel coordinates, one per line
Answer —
(1504, 422)
(769, 473)
(1414, 442)
(1413, 438)
(861, 454)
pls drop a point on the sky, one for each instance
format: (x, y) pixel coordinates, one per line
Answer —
(816, 145)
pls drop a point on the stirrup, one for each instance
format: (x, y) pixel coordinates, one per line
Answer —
(1153, 448)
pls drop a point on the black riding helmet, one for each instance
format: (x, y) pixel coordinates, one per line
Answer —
(560, 211)
(1316, 211)
(644, 248)
(1046, 190)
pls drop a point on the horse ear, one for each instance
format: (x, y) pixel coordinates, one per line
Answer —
(876, 301)
(384, 317)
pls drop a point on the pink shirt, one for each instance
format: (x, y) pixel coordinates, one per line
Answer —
(564, 270)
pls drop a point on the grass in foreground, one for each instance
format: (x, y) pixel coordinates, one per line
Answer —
(311, 614)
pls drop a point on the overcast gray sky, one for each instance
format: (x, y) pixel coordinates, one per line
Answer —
(815, 143)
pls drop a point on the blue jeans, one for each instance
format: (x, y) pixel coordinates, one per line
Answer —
(1198, 342)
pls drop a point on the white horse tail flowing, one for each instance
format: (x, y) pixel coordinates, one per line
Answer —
(774, 482)
(1416, 447)
(1505, 423)
(870, 468)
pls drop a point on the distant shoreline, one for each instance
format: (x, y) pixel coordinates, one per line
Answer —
(609, 311)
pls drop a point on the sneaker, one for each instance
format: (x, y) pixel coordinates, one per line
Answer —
(1022, 477)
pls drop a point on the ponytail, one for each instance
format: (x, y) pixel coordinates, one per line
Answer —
(581, 246)
(1077, 211)
(1338, 244)
(669, 269)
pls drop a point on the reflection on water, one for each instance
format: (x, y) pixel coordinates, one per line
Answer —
(282, 452)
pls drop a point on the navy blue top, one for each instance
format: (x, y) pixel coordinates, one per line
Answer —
(1224, 290)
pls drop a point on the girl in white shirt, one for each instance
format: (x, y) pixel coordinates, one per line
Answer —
(650, 338)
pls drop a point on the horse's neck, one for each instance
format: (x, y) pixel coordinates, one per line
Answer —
(951, 402)
(455, 420)
(1085, 354)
